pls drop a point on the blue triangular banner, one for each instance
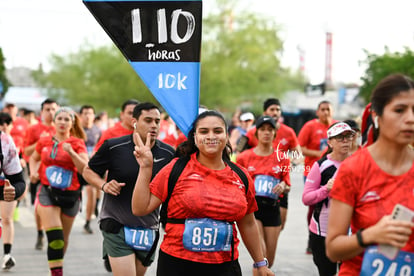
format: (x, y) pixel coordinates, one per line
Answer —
(175, 85)
(161, 40)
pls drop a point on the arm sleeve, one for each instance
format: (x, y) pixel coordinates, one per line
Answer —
(11, 161)
(313, 192)
(17, 181)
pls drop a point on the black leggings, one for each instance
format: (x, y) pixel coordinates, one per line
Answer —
(324, 265)
(172, 266)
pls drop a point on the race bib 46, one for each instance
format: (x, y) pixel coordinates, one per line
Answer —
(59, 177)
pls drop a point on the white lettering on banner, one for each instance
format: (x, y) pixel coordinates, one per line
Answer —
(169, 81)
(136, 28)
(190, 26)
(164, 55)
(162, 26)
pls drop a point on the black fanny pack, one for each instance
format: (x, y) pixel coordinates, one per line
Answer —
(110, 225)
(63, 198)
(266, 201)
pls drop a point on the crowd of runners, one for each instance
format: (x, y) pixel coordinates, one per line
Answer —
(227, 182)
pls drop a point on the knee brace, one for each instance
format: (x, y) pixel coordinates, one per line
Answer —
(55, 244)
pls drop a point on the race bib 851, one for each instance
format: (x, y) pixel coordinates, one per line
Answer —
(209, 235)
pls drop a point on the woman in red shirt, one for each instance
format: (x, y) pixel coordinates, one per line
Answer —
(368, 186)
(56, 160)
(270, 172)
(208, 196)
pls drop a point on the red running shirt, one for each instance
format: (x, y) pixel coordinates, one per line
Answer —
(18, 133)
(313, 136)
(265, 165)
(44, 148)
(33, 133)
(116, 131)
(202, 193)
(373, 194)
(285, 138)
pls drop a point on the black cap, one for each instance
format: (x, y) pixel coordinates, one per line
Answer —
(265, 120)
(269, 102)
(353, 124)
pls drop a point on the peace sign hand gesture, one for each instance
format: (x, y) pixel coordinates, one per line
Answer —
(143, 152)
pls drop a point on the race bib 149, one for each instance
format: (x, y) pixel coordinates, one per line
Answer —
(264, 184)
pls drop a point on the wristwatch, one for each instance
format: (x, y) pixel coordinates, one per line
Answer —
(261, 263)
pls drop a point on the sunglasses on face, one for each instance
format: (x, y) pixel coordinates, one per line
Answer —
(342, 137)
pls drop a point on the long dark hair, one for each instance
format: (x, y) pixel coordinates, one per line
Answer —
(189, 147)
(388, 88)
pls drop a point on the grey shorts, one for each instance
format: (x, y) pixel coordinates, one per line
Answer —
(114, 245)
(44, 200)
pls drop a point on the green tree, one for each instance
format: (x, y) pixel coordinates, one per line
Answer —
(100, 76)
(4, 82)
(240, 63)
(380, 66)
(241, 59)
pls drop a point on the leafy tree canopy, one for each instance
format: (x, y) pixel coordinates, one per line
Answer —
(98, 76)
(240, 63)
(4, 82)
(380, 66)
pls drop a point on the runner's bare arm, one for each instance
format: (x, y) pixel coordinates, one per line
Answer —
(250, 235)
(340, 246)
(29, 149)
(143, 202)
(34, 164)
(79, 159)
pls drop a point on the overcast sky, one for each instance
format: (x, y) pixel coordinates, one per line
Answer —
(32, 30)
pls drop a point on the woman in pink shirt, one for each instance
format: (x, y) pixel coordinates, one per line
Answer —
(316, 192)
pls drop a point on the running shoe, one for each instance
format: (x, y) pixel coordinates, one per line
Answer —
(39, 242)
(87, 229)
(7, 262)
